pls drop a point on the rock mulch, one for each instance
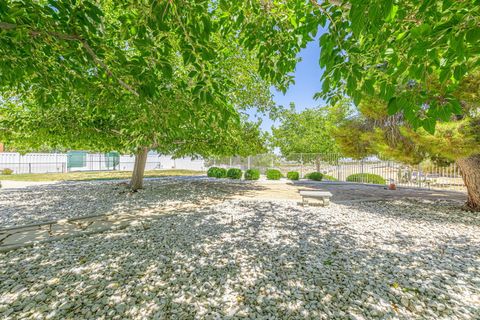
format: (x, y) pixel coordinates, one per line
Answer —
(263, 259)
(45, 203)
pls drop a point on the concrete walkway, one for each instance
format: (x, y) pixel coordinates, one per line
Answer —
(343, 193)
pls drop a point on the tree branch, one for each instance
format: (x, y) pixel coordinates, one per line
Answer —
(86, 46)
(325, 12)
(103, 65)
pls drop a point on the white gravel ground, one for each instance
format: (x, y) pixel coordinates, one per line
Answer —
(258, 259)
(48, 202)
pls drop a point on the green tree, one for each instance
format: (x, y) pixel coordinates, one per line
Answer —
(374, 131)
(307, 132)
(411, 54)
(135, 75)
(412, 57)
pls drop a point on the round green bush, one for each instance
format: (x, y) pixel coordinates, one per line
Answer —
(212, 172)
(252, 174)
(273, 174)
(7, 171)
(293, 175)
(366, 178)
(234, 173)
(221, 173)
(317, 176)
(216, 172)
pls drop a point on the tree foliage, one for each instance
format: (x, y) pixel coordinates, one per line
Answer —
(110, 75)
(410, 54)
(373, 131)
(307, 132)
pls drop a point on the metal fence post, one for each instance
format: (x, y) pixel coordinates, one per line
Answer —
(419, 176)
(361, 170)
(338, 169)
(301, 165)
(29, 167)
(248, 162)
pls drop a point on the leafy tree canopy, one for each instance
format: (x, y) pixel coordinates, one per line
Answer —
(308, 131)
(170, 75)
(373, 131)
(412, 55)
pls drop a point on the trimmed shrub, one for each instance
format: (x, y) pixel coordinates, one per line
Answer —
(273, 174)
(366, 178)
(317, 176)
(329, 178)
(221, 173)
(211, 172)
(234, 173)
(293, 175)
(7, 171)
(252, 174)
(216, 172)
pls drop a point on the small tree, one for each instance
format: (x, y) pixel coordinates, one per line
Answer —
(306, 132)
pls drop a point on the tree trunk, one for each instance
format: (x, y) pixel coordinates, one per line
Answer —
(139, 169)
(470, 169)
(317, 163)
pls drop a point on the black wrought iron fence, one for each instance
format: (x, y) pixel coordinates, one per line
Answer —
(337, 168)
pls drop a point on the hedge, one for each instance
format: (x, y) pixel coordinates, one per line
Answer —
(234, 173)
(273, 174)
(366, 178)
(252, 174)
(293, 175)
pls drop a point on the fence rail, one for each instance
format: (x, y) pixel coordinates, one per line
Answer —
(334, 167)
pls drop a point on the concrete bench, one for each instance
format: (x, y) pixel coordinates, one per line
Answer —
(324, 195)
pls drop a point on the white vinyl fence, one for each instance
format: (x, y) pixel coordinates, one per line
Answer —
(59, 162)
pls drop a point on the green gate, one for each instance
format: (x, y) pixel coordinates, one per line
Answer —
(76, 159)
(112, 160)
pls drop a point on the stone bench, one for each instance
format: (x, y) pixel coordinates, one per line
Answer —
(324, 195)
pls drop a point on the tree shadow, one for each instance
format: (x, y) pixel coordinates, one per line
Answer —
(419, 211)
(43, 203)
(271, 260)
(348, 191)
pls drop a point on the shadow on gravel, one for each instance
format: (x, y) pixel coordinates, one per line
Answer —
(214, 262)
(345, 191)
(43, 203)
(417, 210)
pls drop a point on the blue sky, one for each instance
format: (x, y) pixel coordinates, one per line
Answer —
(307, 82)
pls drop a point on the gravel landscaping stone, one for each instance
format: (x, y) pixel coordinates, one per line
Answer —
(76, 199)
(255, 259)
